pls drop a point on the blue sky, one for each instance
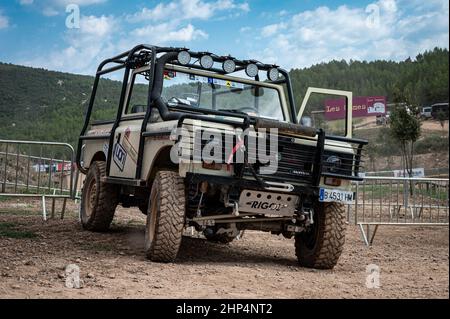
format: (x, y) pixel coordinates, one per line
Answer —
(290, 33)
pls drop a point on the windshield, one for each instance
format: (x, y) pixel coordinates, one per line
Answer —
(195, 91)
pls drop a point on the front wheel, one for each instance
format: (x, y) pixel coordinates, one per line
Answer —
(321, 245)
(165, 217)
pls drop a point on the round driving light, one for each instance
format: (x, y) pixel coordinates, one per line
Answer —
(273, 74)
(229, 66)
(206, 61)
(251, 70)
(184, 57)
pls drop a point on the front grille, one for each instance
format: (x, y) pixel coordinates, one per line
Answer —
(296, 161)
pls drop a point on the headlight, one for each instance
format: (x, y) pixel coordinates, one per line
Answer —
(272, 74)
(184, 57)
(229, 66)
(251, 70)
(206, 61)
(333, 163)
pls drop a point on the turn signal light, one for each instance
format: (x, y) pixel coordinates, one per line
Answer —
(213, 165)
(332, 181)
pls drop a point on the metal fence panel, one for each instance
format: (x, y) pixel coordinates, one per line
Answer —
(399, 201)
(37, 169)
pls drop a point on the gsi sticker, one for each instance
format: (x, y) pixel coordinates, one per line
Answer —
(119, 156)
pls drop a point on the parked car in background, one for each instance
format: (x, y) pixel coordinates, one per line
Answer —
(383, 119)
(439, 108)
(426, 113)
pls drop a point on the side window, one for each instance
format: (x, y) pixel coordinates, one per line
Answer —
(107, 97)
(137, 102)
(326, 111)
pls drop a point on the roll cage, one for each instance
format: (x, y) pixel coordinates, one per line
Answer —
(156, 57)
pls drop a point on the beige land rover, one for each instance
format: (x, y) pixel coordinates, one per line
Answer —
(215, 144)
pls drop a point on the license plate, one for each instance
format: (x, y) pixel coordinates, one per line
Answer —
(335, 195)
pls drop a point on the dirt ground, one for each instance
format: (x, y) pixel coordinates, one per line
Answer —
(413, 262)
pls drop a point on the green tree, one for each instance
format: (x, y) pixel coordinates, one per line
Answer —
(405, 128)
(441, 117)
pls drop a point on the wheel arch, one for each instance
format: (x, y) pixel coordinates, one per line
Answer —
(161, 161)
(98, 157)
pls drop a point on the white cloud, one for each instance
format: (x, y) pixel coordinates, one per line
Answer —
(64, 3)
(50, 12)
(26, 2)
(84, 47)
(50, 8)
(186, 10)
(403, 29)
(100, 37)
(172, 21)
(271, 29)
(97, 26)
(4, 21)
(165, 32)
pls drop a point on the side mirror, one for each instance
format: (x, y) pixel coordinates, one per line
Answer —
(306, 121)
(138, 108)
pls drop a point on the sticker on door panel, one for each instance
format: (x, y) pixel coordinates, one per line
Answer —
(119, 156)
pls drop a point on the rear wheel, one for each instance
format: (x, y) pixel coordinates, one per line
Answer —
(321, 246)
(143, 207)
(98, 199)
(165, 217)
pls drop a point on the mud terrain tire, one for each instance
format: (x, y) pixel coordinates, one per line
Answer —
(321, 246)
(98, 200)
(165, 217)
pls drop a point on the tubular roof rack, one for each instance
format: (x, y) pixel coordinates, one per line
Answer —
(141, 55)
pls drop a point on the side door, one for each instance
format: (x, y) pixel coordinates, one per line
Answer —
(127, 135)
(341, 113)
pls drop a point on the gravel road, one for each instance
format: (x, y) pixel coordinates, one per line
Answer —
(413, 263)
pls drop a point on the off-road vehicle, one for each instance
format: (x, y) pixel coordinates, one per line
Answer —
(185, 147)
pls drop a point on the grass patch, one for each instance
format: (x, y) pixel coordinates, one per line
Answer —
(4, 198)
(133, 222)
(10, 230)
(382, 191)
(16, 213)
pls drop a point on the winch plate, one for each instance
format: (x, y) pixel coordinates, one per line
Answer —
(268, 203)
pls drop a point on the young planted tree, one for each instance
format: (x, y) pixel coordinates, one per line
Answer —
(405, 128)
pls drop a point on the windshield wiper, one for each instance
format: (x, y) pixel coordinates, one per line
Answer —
(178, 101)
(232, 111)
